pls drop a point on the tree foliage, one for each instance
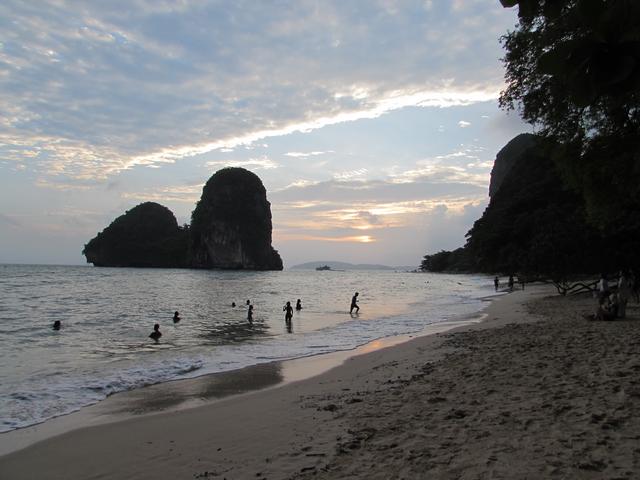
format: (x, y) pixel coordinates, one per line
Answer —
(573, 71)
(535, 224)
(445, 261)
(148, 235)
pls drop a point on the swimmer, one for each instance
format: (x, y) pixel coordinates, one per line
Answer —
(57, 325)
(176, 317)
(156, 334)
(299, 305)
(288, 309)
(233, 304)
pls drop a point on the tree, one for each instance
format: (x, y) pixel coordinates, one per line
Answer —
(573, 67)
(573, 71)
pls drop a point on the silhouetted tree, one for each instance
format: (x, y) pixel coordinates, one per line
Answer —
(573, 71)
(148, 235)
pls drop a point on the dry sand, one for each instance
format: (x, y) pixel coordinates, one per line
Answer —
(533, 392)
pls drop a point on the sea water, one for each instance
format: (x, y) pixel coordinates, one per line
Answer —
(107, 314)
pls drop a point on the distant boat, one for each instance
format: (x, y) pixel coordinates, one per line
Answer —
(324, 267)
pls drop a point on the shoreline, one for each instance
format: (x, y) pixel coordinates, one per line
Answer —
(210, 388)
(533, 391)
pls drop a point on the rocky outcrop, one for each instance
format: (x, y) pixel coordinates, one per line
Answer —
(231, 224)
(148, 235)
(507, 157)
(231, 229)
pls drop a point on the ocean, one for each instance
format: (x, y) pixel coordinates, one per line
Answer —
(103, 346)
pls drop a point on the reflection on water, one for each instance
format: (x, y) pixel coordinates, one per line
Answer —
(170, 395)
(233, 332)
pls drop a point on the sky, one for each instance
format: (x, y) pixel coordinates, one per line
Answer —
(373, 124)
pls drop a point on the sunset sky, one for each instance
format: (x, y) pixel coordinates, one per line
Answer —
(372, 124)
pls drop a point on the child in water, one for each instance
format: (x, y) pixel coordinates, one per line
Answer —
(299, 305)
(176, 317)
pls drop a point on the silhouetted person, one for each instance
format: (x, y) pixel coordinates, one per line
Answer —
(354, 303)
(250, 313)
(299, 305)
(496, 282)
(248, 302)
(156, 334)
(176, 317)
(233, 304)
(288, 315)
(57, 324)
(624, 292)
(511, 283)
(603, 286)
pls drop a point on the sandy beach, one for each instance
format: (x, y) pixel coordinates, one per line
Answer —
(534, 391)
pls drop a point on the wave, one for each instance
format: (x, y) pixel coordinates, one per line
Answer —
(27, 406)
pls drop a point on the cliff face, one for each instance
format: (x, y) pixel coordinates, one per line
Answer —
(534, 222)
(148, 235)
(231, 224)
(507, 157)
(231, 229)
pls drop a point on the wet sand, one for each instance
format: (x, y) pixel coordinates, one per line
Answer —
(535, 391)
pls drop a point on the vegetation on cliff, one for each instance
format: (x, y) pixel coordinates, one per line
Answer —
(569, 204)
(573, 71)
(231, 228)
(534, 224)
(148, 235)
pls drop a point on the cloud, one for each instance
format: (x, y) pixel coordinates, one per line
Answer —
(261, 163)
(350, 175)
(317, 238)
(305, 154)
(107, 86)
(184, 194)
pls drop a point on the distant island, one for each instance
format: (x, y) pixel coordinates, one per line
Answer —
(230, 229)
(333, 265)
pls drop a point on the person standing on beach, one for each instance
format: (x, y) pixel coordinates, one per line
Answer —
(354, 304)
(250, 313)
(603, 286)
(511, 283)
(623, 294)
(496, 282)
